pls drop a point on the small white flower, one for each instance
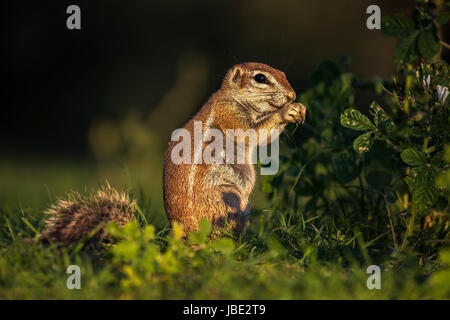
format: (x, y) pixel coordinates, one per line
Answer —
(442, 93)
(426, 81)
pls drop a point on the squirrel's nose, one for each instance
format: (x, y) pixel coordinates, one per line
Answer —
(291, 95)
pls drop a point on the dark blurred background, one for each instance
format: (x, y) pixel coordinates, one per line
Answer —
(82, 106)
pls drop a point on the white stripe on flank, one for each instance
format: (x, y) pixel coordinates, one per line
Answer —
(198, 152)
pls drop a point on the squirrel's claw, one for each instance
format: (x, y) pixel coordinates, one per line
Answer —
(294, 113)
(302, 112)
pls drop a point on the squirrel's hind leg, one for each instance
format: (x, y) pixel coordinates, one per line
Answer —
(226, 208)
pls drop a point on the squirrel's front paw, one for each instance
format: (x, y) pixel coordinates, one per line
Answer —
(293, 112)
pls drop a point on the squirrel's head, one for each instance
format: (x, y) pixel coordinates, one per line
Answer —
(258, 87)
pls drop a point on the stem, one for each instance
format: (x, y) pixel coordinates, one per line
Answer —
(438, 241)
(405, 236)
(440, 9)
(425, 143)
(444, 44)
(389, 142)
(390, 221)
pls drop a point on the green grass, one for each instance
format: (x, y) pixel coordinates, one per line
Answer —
(283, 256)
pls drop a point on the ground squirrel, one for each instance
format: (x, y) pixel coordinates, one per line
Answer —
(253, 96)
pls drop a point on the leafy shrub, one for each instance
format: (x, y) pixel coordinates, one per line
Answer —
(381, 186)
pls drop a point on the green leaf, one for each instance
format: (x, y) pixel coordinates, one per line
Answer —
(425, 195)
(132, 231)
(447, 154)
(363, 142)
(438, 159)
(224, 245)
(114, 230)
(428, 44)
(424, 188)
(443, 179)
(267, 184)
(439, 280)
(405, 50)
(126, 250)
(149, 232)
(413, 157)
(327, 135)
(382, 121)
(410, 182)
(396, 25)
(355, 120)
(204, 229)
(443, 18)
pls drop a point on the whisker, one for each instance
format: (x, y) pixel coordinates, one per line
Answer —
(296, 126)
(260, 94)
(247, 106)
(291, 137)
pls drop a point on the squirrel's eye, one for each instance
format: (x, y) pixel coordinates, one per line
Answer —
(260, 78)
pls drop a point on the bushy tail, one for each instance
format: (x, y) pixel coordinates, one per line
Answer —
(76, 217)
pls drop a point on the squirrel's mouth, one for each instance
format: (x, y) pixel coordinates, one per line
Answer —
(275, 107)
(267, 108)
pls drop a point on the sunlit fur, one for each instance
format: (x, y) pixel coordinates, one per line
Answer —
(220, 192)
(75, 217)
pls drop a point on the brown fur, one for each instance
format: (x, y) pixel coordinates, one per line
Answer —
(74, 218)
(217, 191)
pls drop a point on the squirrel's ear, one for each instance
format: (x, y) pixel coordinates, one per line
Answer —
(235, 75)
